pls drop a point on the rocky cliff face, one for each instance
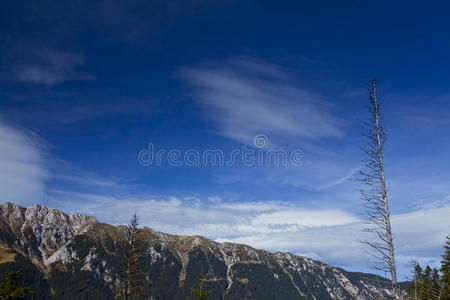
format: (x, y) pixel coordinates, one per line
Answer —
(64, 246)
(42, 229)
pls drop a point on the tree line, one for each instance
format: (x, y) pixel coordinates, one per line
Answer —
(430, 283)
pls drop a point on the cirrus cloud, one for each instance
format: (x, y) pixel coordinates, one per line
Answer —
(49, 67)
(244, 96)
(22, 172)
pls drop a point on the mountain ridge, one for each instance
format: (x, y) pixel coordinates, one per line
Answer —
(58, 243)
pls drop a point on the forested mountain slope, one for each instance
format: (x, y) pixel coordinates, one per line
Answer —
(75, 256)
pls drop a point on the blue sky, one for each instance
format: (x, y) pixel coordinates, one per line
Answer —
(85, 86)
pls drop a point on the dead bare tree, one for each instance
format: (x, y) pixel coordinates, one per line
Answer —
(374, 192)
(413, 278)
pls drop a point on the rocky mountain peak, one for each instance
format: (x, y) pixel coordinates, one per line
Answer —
(37, 214)
(12, 212)
(51, 228)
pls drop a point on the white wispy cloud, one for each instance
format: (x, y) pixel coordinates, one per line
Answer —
(22, 171)
(215, 199)
(244, 96)
(214, 220)
(88, 181)
(28, 169)
(50, 67)
(350, 175)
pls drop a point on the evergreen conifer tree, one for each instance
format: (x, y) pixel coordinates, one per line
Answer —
(132, 275)
(429, 284)
(10, 287)
(200, 293)
(445, 269)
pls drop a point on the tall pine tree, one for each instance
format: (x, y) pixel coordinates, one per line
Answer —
(200, 293)
(131, 274)
(445, 269)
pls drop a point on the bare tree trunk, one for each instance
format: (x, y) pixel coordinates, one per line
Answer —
(440, 291)
(387, 218)
(377, 206)
(415, 281)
